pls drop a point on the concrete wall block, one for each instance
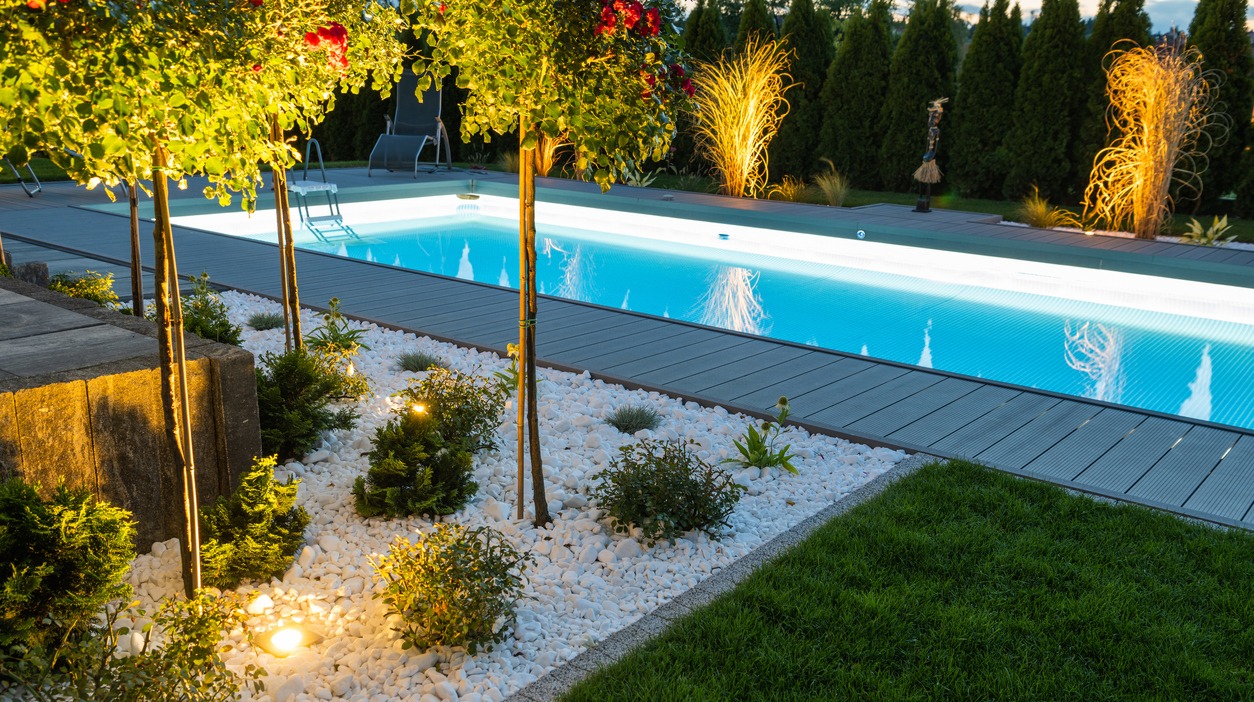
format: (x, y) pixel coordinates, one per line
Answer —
(128, 430)
(54, 431)
(237, 411)
(202, 396)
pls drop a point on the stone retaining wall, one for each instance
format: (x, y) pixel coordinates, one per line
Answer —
(94, 419)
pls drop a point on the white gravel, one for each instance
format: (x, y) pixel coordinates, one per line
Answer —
(586, 583)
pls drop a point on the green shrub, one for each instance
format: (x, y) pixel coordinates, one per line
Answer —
(465, 409)
(179, 659)
(1035, 211)
(454, 587)
(294, 394)
(419, 361)
(337, 344)
(1214, 235)
(630, 419)
(757, 448)
(61, 560)
(89, 286)
(5, 271)
(254, 533)
(414, 470)
(205, 315)
(665, 489)
(262, 321)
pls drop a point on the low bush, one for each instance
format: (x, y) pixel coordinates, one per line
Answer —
(465, 409)
(414, 470)
(90, 285)
(420, 361)
(1214, 235)
(1035, 211)
(178, 659)
(61, 560)
(337, 343)
(263, 321)
(205, 315)
(295, 390)
(665, 489)
(758, 448)
(5, 271)
(255, 532)
(453, 587)
(630, 419)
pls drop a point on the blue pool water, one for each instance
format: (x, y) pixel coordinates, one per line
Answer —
(1174, 364)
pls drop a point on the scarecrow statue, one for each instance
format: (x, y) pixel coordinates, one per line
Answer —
(929, 173)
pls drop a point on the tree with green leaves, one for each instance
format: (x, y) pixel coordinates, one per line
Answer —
(1218, 31)
(808, 36)
(922, 71)
(1047, 110)
(857, 81)
(1121, 23)
(704, 35)
(756, 21)
(978, 162)
(605, 78)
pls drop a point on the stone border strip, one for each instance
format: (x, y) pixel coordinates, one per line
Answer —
(562, 679)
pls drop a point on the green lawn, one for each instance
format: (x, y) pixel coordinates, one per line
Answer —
(960, 583)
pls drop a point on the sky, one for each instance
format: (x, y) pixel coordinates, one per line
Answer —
(1162, 12)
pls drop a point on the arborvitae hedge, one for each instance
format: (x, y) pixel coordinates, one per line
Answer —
(809, 36)
(856, 82)
(1116, 21)
(922, 71)
(1218, 31)
(978, 162)
(704, 38)
(1047, 110)
(755, 21)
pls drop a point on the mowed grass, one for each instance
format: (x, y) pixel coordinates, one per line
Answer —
(960, 583)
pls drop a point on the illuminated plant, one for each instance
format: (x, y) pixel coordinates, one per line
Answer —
(1035, 211)
(1096, 350)
(605, 76)
(791, 188)
(546, 153)
(1160, 110)
(739, 107)
(833, 184)
(732, 302)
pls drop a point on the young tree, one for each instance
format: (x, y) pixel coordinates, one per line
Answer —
(606, 76)
(1047, 104)
(1218, 32)
(858, 79)
(978, 163)
(1116, 21)
(704, 36)
(922, 71)
(807, 35)
(756, 22)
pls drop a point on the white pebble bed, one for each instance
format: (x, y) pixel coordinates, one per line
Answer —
(586, 583)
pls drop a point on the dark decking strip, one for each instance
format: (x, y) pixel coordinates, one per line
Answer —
(1173, 463)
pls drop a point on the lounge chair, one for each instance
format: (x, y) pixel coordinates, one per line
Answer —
(417, 124)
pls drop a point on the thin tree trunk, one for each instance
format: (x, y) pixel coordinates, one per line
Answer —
(289, 253)
(523, 281)
(137, 269)
(527, 306)
(278, 183)
(174, 370)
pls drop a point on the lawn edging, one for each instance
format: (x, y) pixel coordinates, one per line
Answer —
(617, 645)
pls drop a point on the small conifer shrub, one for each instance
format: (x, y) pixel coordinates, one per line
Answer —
(90, 285)
(295, 390)
(465, 409)
(255, 532)
(414, 470)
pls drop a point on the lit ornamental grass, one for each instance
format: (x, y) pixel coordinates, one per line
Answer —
(739, 107)
(1160, 114)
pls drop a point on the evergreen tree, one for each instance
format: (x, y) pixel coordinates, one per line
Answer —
(809, 36)
(1047, 104)
(1218, 31)
(704, 38)
(978, 162)
(858, 79)
(922, 70)
(1116, 21)
(755, 21)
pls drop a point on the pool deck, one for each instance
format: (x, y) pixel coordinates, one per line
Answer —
(1185, 466)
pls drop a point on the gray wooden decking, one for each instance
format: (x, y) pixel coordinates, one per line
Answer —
(1173, 463)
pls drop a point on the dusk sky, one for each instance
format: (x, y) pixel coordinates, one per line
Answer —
(1162, 12)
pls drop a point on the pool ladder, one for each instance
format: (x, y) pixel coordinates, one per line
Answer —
(328, 227)
(31, 190)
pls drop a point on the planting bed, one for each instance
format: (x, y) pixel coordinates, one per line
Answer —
(586, 582)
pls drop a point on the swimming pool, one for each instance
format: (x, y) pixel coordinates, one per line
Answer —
(1163, 344)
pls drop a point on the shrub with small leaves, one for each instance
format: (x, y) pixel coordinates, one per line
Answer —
(414, 470)
(295, 390)
(61, 560)
(453, 587)
(420, 361)
(466, 409)
(264, 321)
(255, 532)
(630, 419)
(5, 271)
(665, 489)
(205, 315)
(179, 657)
(90, 285)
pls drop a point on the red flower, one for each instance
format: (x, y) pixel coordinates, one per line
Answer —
(337, 32)
(688, 87)
(678, 70)
(257, 3)
(619, 5)
(312, 39)
(652, 23)
(256, 68)
(651, 80)
(608, 21)
(645, 94)
(440, 9)
(632, 14)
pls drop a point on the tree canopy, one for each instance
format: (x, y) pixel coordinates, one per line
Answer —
(857, 81)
